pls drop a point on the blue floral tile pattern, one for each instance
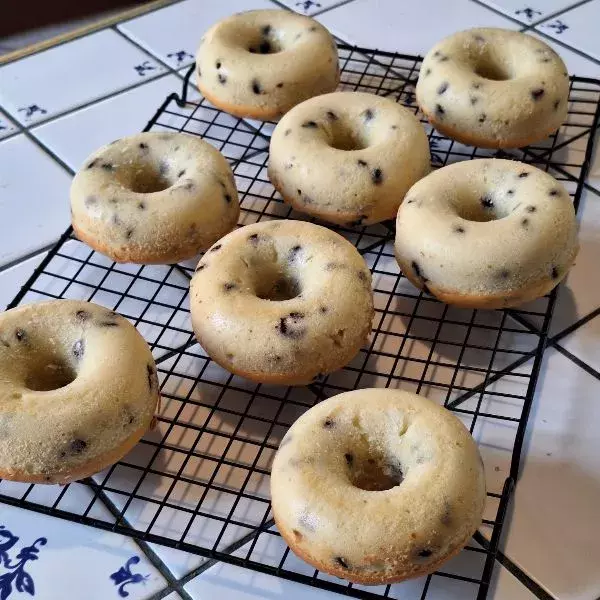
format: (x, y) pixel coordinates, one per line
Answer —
(124, 576)
(13, 576)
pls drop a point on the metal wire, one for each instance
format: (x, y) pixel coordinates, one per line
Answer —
(200, 481)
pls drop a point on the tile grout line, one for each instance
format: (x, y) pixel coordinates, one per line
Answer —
(559, 12)
(500, 13)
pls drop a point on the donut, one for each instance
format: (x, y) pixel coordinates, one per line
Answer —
(260, 63)
(154, 198)
(486, 233)
(493, 88)
(282, 302)
(377, 486)
(348, 157)
(78, 389)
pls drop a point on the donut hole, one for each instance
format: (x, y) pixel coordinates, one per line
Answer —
(264, 43)
(277, 286)
(52, 375)
(348, 138)
(493, 70)
(373, 472)
(147, 179)
(484, 208)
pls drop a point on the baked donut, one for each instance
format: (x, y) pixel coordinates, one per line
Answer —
(260, 63)
(348, 157)
(282, 302)
(78, 389)
(493, 88)
(377, 486)
(154, 198)
(486, 233)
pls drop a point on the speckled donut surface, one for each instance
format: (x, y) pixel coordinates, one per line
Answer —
(282, 302)
(348, 157)
(154, 198)
(486, 233)
(260, 63)
(78, 389)
(493, 88)
(377, 486)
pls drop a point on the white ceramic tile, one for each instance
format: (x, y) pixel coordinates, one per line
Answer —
(173, 33)
(583, 343)
(576, 63)
(34, 193)
(505, 586)
(399, 26)
(7, 127)
(310, 7)
(529, 12)
(579, 295)
(66, 76)
(13, 278)
(65, 560)
(553, 525)
(577, 28)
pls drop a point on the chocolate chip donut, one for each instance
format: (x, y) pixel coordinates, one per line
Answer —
(493, 88)
(282, 302)
(78, 389)
(377, 486)
(154, 198)
(260, 63)
(348, 157)
(486, 233)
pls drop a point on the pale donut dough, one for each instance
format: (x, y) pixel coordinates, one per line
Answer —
(282, 302)
(260, 63)
(486, 233)
(377, 485)
(78, 389)
(154, 198)
(493, 88)
(348, 157)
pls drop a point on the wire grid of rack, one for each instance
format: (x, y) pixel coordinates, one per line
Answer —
(200, 480)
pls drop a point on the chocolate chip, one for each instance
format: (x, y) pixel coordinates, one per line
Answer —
(525, 223)
(394, 126)
(299, 192)
(349, 458)
(83, 315)
(331, 115)
(416, 269)
(458, 229)
(556, 104)
(310, 125)
(554, 192)
(523, 174)
(474, 100)
(78, 349)
(129, 233)
(218, 64)
(77, 446)
(227, 197)
(108, 324)
(425, 553)
(482, 117)
(442, 88)
(361, 162)
(486, 201)
(142, 205)
(294, 253)
(198, 70)
(377, 176)
(504, 274)
(143, 146)
(216, 248)
(229, 286)
(93, 163)
(256, 87)
(476, 85)
(329, 423)
(151, 376)
(323, 309)
(253, 239)
(287, 132)
(537, 93)
(181, 173)
(21, 335)
(510, 192)
(427, 72)
(554, 273)
(530, 208)
(290, 330)
(200, 268)
(108, 167)
(222, 78)
(439, 110)
(479, 38)
(367, 115)
(342, 562)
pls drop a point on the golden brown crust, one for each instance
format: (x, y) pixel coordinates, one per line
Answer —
(350, 575)
(492, 301)
(249, 112)
(84, 470)
(471, 139)
(339, 218)
(138, 257)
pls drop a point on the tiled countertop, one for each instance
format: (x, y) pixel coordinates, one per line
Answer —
(59, 105)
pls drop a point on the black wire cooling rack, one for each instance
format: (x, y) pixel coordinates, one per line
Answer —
(200, 480)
